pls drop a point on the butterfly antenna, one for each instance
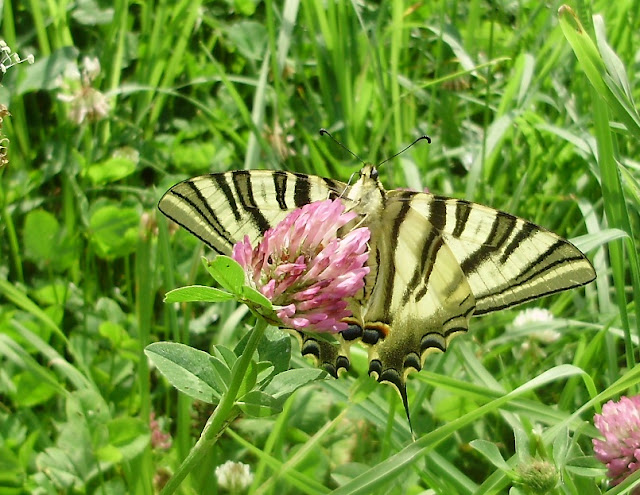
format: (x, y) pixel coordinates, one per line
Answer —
(324, 132)
(405, 149)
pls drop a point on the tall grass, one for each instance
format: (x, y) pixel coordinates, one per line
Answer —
(530, 111)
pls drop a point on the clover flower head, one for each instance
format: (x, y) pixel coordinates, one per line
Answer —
(619, 423)
(159, 439)
(548, 335)
(85, 102)
(538, 476)
(532, 315)
(306, 268)
(235, 477)
(90, 69)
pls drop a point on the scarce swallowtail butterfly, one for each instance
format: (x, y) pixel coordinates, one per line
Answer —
(434, 261)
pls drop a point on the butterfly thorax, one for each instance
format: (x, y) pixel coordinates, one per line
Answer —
(368, 193)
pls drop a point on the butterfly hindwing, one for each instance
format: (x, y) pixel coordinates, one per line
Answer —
(420, 297)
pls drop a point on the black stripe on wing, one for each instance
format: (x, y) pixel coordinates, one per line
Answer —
(390, 270)
(244, 189)
(524, 298)
(501, 230)
(186, 193)
(421, 275)
(526, 231)
(280, 184)
(219, 209)
(302, 187)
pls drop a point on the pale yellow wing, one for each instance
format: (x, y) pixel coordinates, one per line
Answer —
(220, 209)
(507, 260)
(416, 299)
(435, 262)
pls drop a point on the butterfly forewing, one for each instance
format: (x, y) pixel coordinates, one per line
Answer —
(220, 209)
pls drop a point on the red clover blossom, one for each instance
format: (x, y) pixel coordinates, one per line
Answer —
(619, 423)
(305, 269)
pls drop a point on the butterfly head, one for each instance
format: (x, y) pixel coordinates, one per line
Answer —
(369, 173)
(368, 192)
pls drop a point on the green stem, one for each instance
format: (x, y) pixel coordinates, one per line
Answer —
(222, 415)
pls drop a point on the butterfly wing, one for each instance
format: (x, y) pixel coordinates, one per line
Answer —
(437, 261)
(220, 209)
(420, 297)
(506, 260)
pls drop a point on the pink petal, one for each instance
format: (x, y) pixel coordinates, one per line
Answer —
(303, 266)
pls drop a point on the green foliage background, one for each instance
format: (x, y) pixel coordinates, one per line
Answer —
(529, 112)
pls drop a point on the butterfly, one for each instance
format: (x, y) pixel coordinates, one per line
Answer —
(434, 261)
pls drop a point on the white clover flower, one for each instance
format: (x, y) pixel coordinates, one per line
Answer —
(85, 102)
(8, 58)
(91, 67)
(546, 335)
(532, 315)
(234, 477)
(537, 316)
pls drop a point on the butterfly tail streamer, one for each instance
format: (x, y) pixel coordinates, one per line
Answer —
(333, 358)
